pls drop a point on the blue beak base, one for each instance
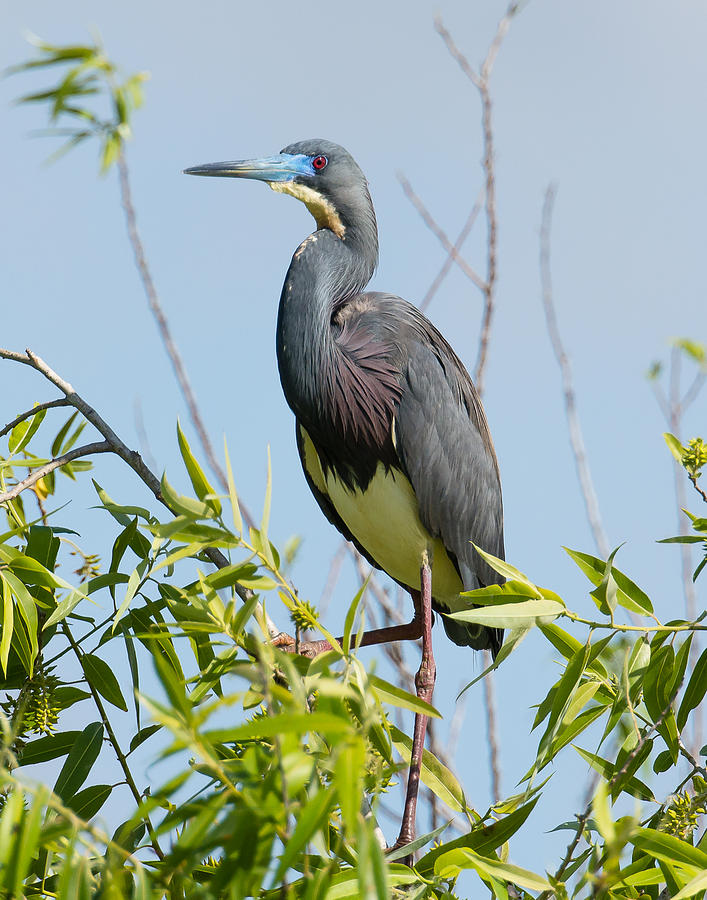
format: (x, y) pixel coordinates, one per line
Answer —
(283, 167)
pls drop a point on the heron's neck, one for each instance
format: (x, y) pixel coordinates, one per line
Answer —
(325, 272)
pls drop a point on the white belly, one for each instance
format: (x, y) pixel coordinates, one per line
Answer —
(385, 520)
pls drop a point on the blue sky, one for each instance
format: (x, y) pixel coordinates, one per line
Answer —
(605, 99)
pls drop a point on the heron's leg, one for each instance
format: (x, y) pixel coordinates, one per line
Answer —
(424, 683)
(412, 631)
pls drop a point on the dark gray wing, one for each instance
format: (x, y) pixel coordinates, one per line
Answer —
(445, 448)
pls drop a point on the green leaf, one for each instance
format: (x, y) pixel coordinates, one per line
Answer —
(288, 723)
(511, 641)
(506, 569)
(674, 445)
(513, 615)
(668, 848)
(449, 864)
(313, 814)
(698, 883)
(88, 802)
(198, 479)
(100, 676)
(483, 838)
(49, 747)
(694, 692)
(433, 773)
(57, 445)
(142, 735)
(233, 495)
(185, 506)
(413, 846)
(567, 645)
(396, 696)
(8, 623)
(23, 433)
(633, 786)
(349, 768)
(79, 762)
(628, 594)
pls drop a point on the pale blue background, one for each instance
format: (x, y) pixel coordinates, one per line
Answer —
(606, 98)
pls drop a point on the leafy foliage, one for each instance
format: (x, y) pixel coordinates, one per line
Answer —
(279, 762)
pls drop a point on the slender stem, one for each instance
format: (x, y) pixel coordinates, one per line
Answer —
(451, 255)
(441, 236)
(494, 755)
(38, 474)
(50, 404)
(584, 475)
(122, 760)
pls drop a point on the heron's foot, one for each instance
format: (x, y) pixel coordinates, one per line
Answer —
(309, 649)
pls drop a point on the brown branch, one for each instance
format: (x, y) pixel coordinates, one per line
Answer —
(39, 473)
(451, 256)
(481, 82)
(131, 457)
(164, 329)
(31, 412)
(696, 486)
(439, 233)
(575, 431)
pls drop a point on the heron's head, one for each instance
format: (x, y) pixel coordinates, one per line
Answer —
(321, 174)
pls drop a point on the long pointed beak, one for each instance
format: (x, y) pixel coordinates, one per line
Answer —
(283, 167)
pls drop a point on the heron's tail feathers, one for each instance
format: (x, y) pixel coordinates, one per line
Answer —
(467, 634)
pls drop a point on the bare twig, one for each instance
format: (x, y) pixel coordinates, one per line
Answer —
(697, 487)
(575, 431)
(481, 82)
(453, 254)
(441, 236)
(131, 457)
(164, 329)
(39, 473)
(51, 404)
(490, 704)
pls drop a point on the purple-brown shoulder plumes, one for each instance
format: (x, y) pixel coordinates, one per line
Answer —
(391, 432)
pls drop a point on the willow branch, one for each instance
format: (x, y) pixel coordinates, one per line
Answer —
(131, 457)
(51, 404)
(591, 503)
(38, 474)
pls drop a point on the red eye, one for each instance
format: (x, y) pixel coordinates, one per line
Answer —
(319, 162)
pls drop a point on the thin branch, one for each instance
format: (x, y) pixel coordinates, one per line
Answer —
(440, 234)
(575, 431)
(122, 760)
(164, 329)
(453, 254)
(494, 755)
(693, 391)
(31, 412)
(481, 82)
(38, 474)
(131, 457)
(696, 486)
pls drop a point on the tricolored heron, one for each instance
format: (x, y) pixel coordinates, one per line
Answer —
(391, 432)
